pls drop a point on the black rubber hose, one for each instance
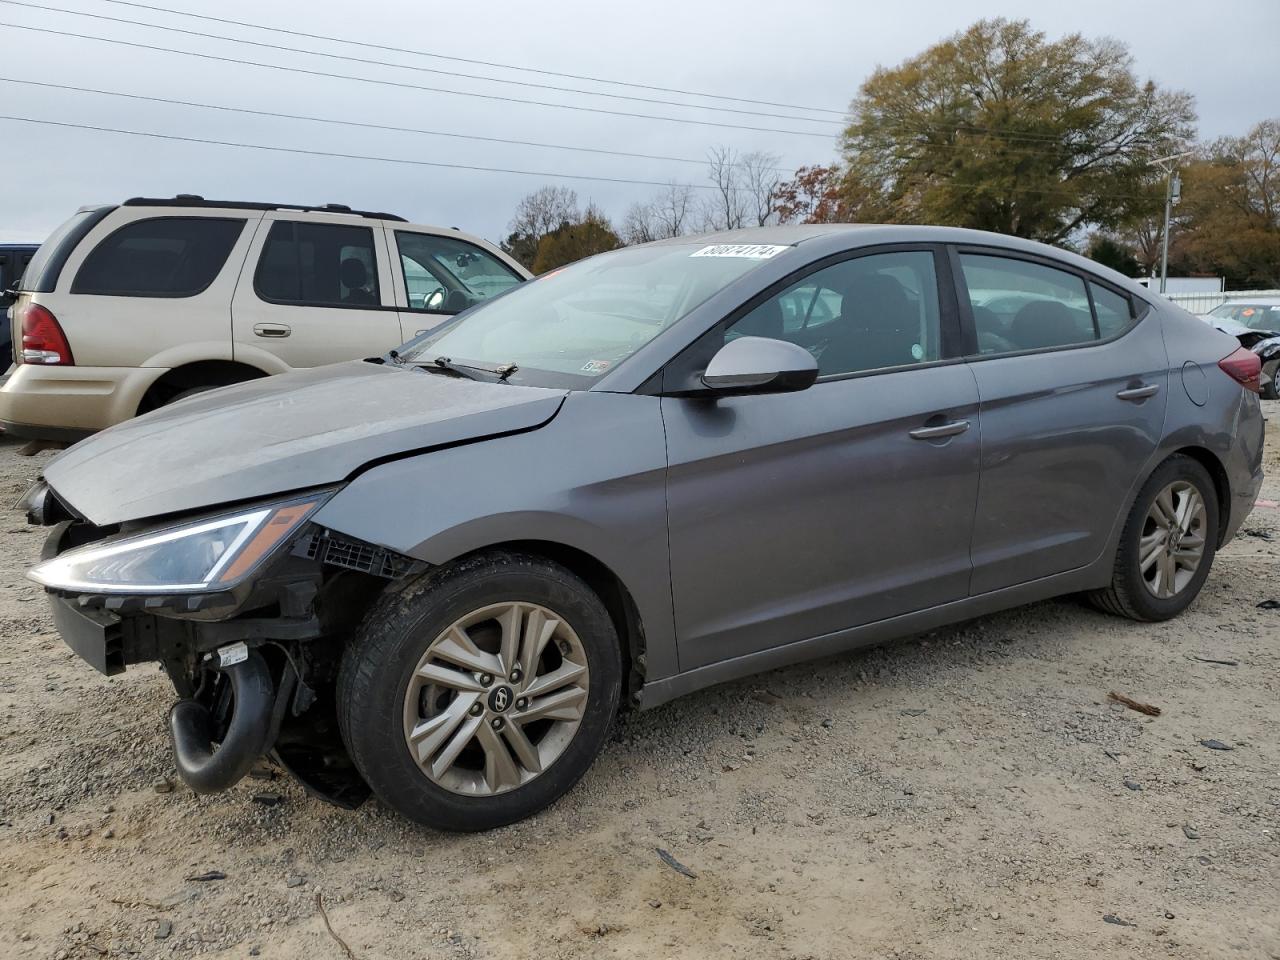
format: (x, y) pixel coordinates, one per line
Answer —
(202, 768)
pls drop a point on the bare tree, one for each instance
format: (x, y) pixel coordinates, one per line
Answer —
(726, 209)
(759, 179)
(668, 214)
(536, 216)
(543, 210)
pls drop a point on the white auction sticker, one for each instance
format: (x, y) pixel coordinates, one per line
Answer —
(232, 654)
(751, 251)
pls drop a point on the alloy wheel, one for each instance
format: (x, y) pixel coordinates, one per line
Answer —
(496, 698)
(1173, 539)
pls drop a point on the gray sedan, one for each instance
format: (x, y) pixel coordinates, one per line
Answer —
(438, 574)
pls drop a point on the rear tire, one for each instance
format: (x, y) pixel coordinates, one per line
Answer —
(457, 730)
(1152, 579)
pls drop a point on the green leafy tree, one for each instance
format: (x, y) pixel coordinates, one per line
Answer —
(1114, 253)
(570, 242)
(1001, 129)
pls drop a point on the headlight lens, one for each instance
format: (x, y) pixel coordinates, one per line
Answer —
(200, 556)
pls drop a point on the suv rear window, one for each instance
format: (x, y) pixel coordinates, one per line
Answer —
(162, 257)
(318, 265)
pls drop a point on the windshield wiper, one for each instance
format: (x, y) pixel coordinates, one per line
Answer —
(468, 370)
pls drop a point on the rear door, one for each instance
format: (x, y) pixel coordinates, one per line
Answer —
(316, 289)
(1073, 387)
(437, 276)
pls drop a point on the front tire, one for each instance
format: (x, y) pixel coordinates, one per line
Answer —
(482, 692)
(1167, 546)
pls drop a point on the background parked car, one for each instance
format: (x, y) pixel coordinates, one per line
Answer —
(14, 258)
(1256, 324)
(127, 308)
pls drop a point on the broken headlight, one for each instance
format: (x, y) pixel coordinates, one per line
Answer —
(201, 555)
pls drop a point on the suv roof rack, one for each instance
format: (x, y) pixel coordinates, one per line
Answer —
(192, 200)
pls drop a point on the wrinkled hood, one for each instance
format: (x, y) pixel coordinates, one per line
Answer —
(283, 433)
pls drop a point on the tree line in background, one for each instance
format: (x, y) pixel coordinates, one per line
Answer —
(996, 128)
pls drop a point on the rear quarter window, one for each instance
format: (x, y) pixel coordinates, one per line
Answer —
(161, 257)
(42, 273)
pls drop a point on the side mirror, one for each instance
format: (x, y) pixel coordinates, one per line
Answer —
(760, 365)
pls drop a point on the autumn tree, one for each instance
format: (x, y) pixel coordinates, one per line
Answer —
(571, 241)
(1002, 129)
(537, 215)
(1228, 223)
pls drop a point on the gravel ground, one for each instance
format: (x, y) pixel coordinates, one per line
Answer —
(969, 793)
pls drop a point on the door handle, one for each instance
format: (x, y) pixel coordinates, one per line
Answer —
(1135, 394)
(271, 330)
(942, 430)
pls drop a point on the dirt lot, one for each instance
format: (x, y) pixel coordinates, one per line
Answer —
(970, 793)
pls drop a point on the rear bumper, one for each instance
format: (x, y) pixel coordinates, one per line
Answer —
(69, 403)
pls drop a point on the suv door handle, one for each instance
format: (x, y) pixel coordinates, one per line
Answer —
(1135, 394)
(942, 430)
(271, 330)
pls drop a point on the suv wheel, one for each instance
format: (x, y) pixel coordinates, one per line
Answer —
(481, 693)
(1168, 544)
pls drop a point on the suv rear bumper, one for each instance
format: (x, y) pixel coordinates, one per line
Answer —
(69, 403)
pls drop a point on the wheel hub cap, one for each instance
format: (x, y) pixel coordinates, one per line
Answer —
(496, 698)
(1173, 539)
(501, 698)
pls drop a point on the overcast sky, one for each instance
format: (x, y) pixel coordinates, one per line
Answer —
(801, 52)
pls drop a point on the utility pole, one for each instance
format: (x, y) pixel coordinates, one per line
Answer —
(1172, 194)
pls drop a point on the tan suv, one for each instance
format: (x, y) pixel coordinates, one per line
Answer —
(127, 308)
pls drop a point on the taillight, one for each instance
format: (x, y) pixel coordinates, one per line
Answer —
(42, 338)
(1245, 368)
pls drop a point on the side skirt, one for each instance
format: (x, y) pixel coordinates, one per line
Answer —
(657, 692)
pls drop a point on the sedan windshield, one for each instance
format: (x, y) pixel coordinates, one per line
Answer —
(571, 326)
(1255, 316)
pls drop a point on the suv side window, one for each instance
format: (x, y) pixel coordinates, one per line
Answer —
(1113, 310)
(446, 275)
(862, 314)
(1020, 305)
(162, 257)
(318, 265)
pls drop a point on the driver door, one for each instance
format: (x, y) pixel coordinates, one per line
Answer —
(794, 515)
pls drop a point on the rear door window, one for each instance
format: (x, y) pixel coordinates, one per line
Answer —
(447, 275)
(162, 257)
(318, 265)
(1020, 305)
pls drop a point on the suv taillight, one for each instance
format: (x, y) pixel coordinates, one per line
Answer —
(42, 338)
(1245, 368)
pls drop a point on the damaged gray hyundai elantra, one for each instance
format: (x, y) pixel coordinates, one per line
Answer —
(438, 574)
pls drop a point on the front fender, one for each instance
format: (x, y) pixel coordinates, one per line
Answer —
(593, 479)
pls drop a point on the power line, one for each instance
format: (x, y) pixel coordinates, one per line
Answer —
(362, 124)
(405, 66)
(412, 86)
(480, 169)
(352, 156)
(480, 63)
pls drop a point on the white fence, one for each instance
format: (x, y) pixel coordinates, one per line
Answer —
(1204, 302)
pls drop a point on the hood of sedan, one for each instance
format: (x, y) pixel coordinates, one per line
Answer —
(283, 433)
